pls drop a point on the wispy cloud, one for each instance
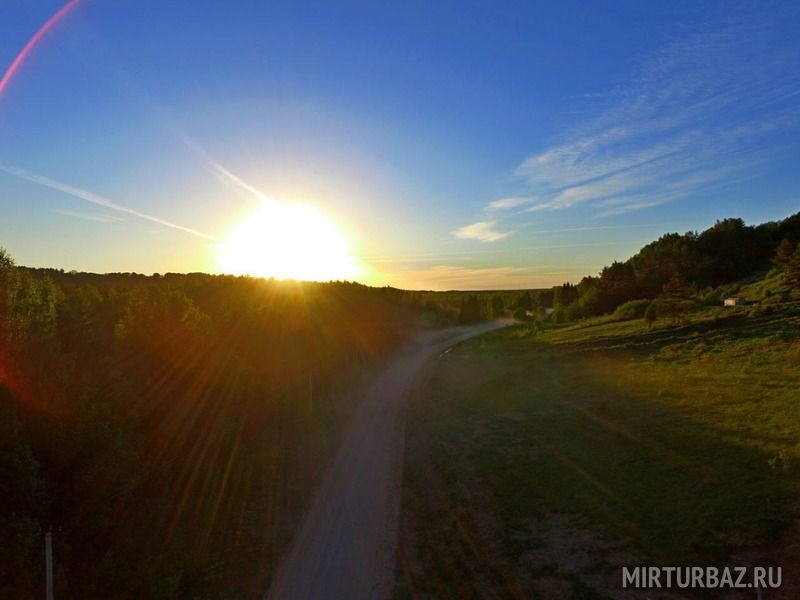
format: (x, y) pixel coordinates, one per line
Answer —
(483, 231)
(598, 228)
(94, 217)
(98, 200)
(513, 202)
(438, 257)
(720, 102)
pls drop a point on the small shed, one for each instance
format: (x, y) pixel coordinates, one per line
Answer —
(735, 301)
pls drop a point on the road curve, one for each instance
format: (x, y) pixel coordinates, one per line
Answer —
(345, 547)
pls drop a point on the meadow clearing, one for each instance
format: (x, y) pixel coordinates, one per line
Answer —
(541, 459)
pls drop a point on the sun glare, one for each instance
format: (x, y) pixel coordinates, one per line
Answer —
(288, 241)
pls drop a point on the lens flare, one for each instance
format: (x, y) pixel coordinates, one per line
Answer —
(32, 43)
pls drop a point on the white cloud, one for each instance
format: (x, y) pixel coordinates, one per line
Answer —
(695, 114)
(483, 231)
(505, 203)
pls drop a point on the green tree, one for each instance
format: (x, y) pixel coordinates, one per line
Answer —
(471, 310)
(564, 295)
(525, 301)
(658, 261)
(498, 306)
(677, 301)
(728, 251)
(22, 510)
(787, 257)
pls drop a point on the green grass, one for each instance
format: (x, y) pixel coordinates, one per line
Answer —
(539, 462)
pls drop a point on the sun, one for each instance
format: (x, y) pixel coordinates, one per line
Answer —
(288, 241)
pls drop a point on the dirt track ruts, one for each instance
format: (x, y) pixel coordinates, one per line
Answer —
(345, 547)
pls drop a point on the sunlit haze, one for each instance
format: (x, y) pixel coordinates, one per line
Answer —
(369, 300)
(434, 146)
(288, 241)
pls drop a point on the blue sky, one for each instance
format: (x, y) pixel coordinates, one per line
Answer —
(459, 145)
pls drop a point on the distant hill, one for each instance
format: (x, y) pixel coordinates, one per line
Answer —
(725, 253)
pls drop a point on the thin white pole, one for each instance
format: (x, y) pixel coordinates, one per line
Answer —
(48, 556)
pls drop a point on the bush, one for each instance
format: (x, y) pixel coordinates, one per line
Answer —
(634, 309)
(521, 315)
(714, 296)
(761, 310)
(526, 331)
(576, 311)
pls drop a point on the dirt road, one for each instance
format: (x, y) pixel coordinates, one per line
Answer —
(346, 545)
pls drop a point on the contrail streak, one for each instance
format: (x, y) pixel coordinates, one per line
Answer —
(37, 37)
(217, 169)
(98, 200)
(229, 177)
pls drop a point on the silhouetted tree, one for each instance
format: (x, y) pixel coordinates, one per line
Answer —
(144, 412)
(498, 306)
(471, 311)
(676, 301)
(728, 251)
(617, 284)
(564, 295)
(525, 301)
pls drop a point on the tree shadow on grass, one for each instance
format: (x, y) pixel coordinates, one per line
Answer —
(568, 433)
(734, 326)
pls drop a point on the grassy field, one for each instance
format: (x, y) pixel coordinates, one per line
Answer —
(539, 462)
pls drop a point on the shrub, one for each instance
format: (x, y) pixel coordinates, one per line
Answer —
(576, 311)
(525, 331)
(634, 309)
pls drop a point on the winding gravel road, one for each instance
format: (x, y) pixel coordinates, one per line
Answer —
(345, 548)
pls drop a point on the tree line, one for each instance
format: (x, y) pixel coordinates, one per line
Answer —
(676, 267)
(170, 429)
